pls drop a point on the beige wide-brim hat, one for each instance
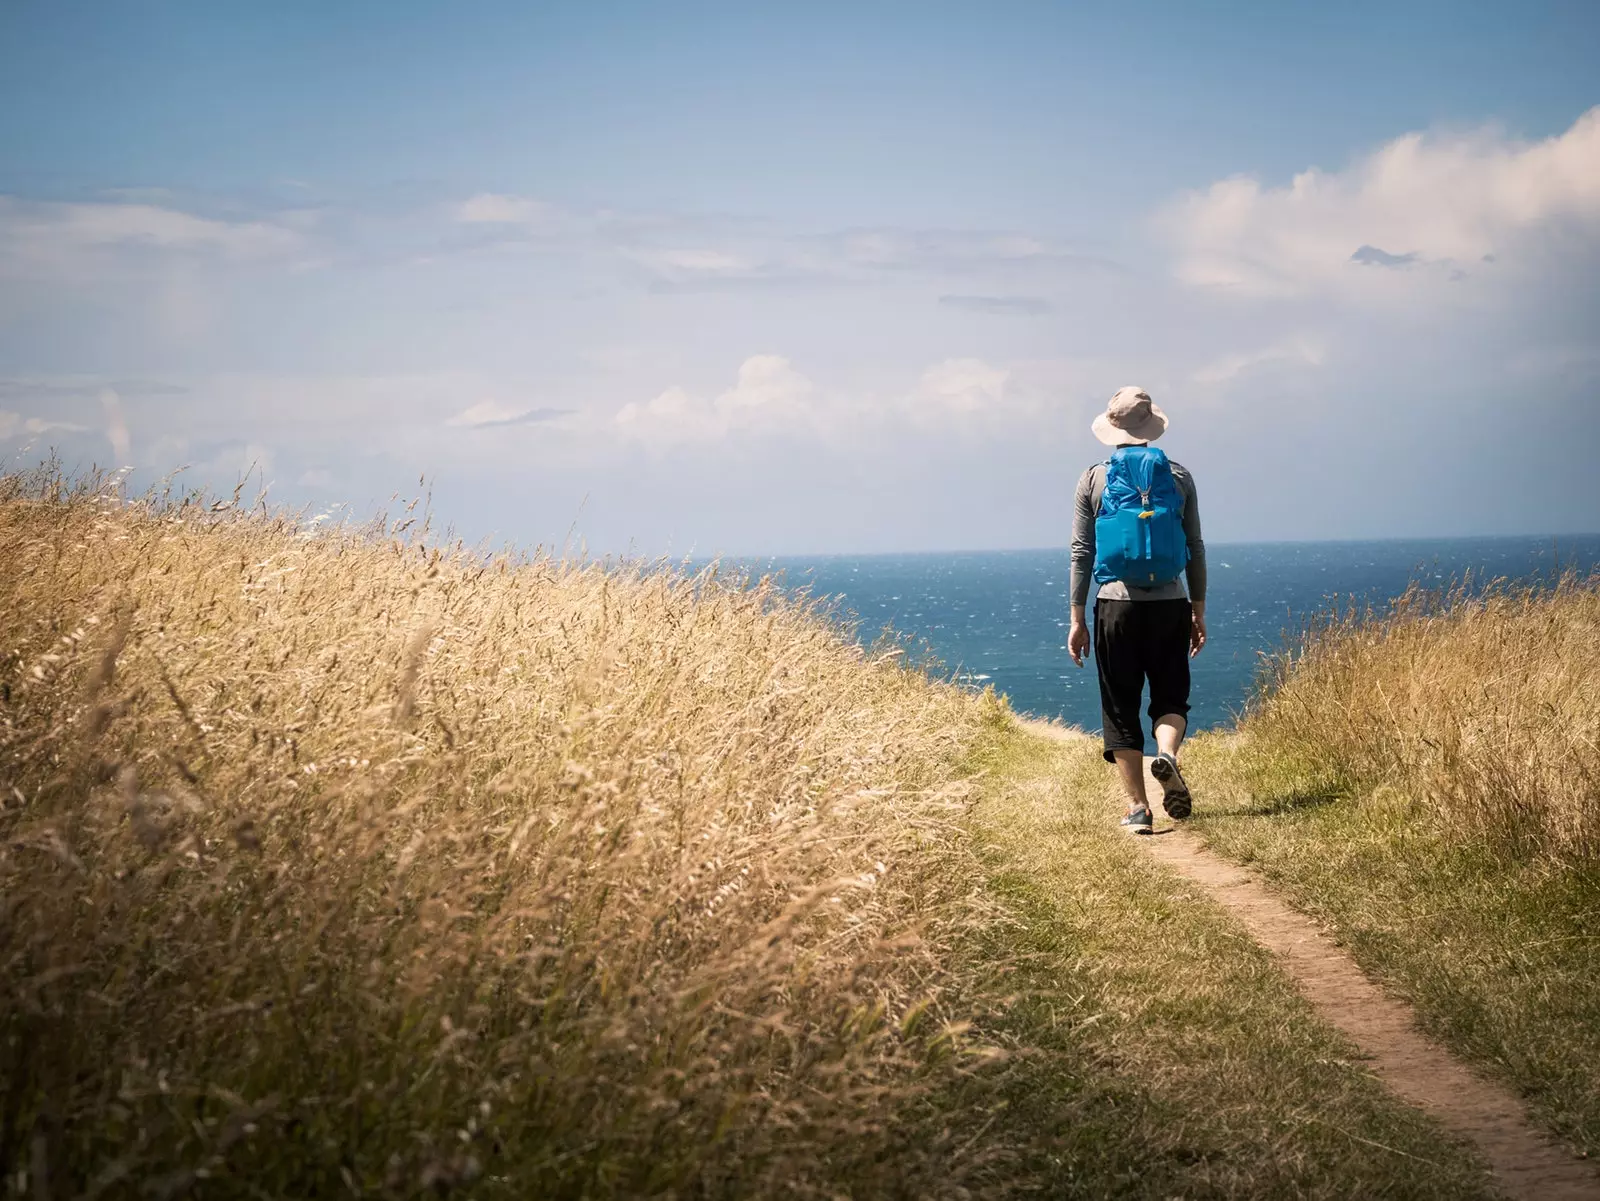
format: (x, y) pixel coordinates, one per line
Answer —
(1130, 416)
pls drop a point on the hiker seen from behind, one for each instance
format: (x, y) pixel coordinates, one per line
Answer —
(1136, 543)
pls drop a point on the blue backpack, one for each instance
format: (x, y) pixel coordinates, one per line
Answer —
(1138, 535)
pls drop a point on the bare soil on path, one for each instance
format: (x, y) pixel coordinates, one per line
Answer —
(1527, 1164)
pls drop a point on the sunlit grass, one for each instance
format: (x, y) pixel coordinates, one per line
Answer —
(1217, 1078)
(336, 860)
(1478, 706)
(1429, 784)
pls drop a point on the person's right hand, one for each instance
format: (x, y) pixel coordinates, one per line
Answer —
(1078, 642)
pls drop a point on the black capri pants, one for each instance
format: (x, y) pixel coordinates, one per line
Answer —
(1135, 641)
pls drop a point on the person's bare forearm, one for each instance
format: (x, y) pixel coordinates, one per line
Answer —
(1197, 627)
(1078, 636)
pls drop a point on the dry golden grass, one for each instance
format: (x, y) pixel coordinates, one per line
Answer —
(1429, 786)
(333, 862)
(1478, 708)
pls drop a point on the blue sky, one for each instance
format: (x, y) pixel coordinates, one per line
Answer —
(760, 278)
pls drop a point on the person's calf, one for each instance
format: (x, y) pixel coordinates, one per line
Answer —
(1169, 730)
(1130, 772)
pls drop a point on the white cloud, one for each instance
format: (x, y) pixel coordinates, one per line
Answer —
(723, 255)
(13, 425)
(965, 394)
(495, 412)
(767, 384)
(1302, 350)
(485, 412)
(674, 407)
(494, 208)
(308, 418)
(42, 232)
(937, 249)
(687, 261)
(963, 386)
(144, 273)
(1424, 208)
(999, 306)
(768, 393)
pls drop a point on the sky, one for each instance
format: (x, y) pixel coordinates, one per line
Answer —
(699, 278)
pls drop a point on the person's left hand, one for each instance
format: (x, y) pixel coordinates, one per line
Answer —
(1197, 632)
(1078, 642)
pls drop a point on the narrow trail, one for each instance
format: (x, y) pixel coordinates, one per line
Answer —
(1527, 1164)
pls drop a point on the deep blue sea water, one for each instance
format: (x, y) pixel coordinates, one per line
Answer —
(1000, 617)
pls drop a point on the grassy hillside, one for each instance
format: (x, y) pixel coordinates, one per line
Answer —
(335, 864)
(334, 861)
(1429, 783)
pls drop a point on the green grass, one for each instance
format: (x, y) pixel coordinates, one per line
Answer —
(1205, 1072)
(1499, 952)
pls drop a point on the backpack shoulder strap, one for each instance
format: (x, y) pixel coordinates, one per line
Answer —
(1098, 474)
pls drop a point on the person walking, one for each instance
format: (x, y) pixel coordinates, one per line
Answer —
(1136, 541)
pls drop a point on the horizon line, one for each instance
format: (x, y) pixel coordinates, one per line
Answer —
(1063, 549)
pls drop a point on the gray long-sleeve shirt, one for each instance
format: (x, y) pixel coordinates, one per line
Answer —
(1087, 506)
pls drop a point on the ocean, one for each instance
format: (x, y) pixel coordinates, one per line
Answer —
(1000, 618)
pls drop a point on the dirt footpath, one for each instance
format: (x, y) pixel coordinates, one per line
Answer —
(1527, 1164)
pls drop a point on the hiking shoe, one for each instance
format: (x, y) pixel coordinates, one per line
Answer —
(1175, 798)
(1137, 822)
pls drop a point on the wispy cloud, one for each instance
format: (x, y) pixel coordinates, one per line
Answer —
(39, 234)
(1000, 306)
(948, 252)
(692, 253)
(693, 260)
(962, 386)
(494, 208)
(893, 249)
(491, 413)
(15, 425)
(157, 424)
(57, 388)
(1299, 351)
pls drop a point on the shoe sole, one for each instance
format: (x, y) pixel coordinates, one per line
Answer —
(1175, 793)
